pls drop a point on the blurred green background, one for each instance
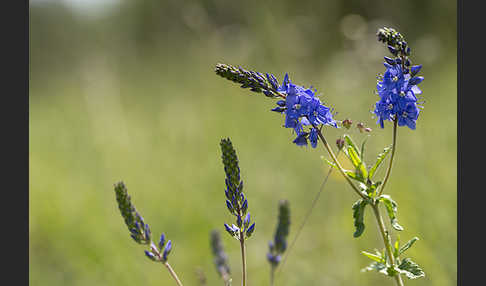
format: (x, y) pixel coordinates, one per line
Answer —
(125, 90)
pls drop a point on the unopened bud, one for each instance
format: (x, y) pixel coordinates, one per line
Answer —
(361, 127)
(340, 143)
(347, 123)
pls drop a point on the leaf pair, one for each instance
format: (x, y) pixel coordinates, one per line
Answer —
(407, 267)
(359, 208)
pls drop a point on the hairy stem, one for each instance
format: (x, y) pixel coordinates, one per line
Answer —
(394, 145)
(386, 239)
(173, 274)
(243, 259)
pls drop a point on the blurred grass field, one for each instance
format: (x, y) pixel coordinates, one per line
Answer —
(155, 121)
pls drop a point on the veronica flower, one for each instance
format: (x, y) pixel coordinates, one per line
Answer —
(302, 108)
(398, 92)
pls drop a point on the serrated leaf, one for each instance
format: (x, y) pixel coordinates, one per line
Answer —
(358, 215)
(391, 207)
(379, 160)
(407, 245)
(411, 269)
(374, 266)
(374, 257)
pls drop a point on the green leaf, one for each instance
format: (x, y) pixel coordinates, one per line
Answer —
(379, 160)
(375, 257)
(407, 245)
(350, 142)
(350, 174)
(391, 207)
(396, 251)
(330, 163)
(373, 188)
(353, 176)
(362, 148)
(411, 269)
(374, 266)
(358, 164)
(358, 215)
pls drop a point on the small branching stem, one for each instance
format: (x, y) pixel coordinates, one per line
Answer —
(387, 241)
(394, 144)
(173, 274)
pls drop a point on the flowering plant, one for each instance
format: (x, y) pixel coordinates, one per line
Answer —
(306, 115)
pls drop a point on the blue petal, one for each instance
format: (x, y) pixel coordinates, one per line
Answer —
(416, 80)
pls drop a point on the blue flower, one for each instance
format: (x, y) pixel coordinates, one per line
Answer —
(398, 96)
(303, 108)
(408, 115)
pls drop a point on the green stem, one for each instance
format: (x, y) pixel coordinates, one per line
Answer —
(379, 219)
(394, 145)
(272, 275)
(243, 259)
(174, 275)
(340, 168)
(386, 240)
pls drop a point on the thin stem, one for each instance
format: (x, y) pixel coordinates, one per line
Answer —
(243, 259)
(313, 204)
(340, 168)
(386, 240)
(172, 272)
(272, 275)
(394, 145)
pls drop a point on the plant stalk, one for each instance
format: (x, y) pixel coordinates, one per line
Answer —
(379, 219)
(243, 259)
(173, 274)
(386, 240)
(394, 145)
(340, 168)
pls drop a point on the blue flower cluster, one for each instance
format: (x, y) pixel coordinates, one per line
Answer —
(302, 108)
(139, 230)
(279, 244)
(398, 92)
